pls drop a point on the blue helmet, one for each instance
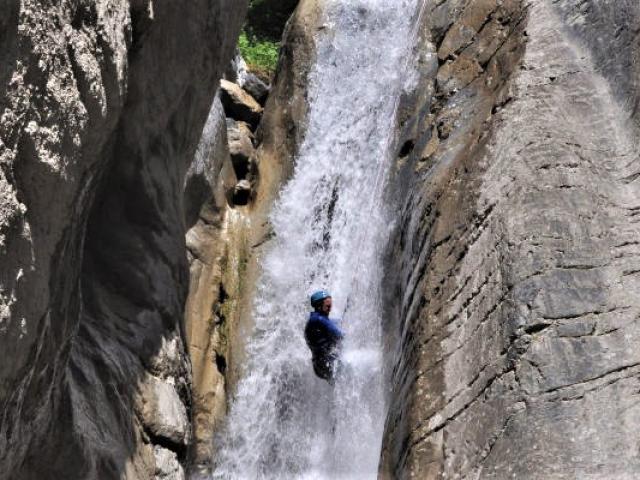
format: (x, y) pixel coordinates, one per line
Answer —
(319, 296)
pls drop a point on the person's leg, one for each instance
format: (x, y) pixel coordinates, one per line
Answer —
(335, 365)
(322, 368)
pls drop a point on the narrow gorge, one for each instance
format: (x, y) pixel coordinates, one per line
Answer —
(462, 175)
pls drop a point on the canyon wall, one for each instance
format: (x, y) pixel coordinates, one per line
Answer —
(278, 139)
(513, 276)
(512, 279)
(103, 104)
(255, 153)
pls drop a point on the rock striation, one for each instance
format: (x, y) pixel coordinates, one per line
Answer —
(102, 105)
(513, 286)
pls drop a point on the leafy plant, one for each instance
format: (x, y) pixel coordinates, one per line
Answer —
(261, 55)
(259, 42)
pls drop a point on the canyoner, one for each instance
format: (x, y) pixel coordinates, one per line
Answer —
(331, 225)
(324, 337)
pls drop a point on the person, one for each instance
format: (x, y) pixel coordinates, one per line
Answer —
(323, 336)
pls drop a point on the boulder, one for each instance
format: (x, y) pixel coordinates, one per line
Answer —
(239, 105)
(167, 465)
(258, 89)
(163, 413)
(240, 147)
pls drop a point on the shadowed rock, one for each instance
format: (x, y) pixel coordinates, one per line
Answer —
(256, 88)
(239, 105)
(103, 105)
(240, 147)
(242, 193)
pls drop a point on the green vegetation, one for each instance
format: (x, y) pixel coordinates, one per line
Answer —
(261, 55)
(260, 40)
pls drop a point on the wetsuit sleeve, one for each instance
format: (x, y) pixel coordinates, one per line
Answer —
(331, 327)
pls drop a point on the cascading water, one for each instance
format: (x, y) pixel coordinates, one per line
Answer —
(331, 225)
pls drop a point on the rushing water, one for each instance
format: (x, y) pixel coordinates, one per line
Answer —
(331, 225)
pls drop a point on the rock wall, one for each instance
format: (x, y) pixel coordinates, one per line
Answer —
(513, 275)
(277, 140)
(251, 151)
(102, 105)
(209, 181)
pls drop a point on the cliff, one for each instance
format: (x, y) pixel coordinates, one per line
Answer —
(228, 238)
(103, 105)
(515, 293)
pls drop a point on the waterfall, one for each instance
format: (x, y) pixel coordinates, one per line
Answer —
(331, 224)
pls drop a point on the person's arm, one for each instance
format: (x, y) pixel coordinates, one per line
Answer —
(332, 328)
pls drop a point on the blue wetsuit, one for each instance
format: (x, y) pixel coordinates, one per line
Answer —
(323, 338)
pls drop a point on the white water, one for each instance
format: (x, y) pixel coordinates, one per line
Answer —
(331, 225)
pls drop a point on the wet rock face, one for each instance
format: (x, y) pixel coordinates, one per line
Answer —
(231, 229)
(515, 285)
(102, 106)
(204, 323)
(277, 139)
(241, 148)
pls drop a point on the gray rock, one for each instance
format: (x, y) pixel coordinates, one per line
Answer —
(241, 148)
(580, 328)
(256, 88)
(515, 257)
(206, 171)
(239, 105)
(101, 116)
(162, 412)
(167, 465)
